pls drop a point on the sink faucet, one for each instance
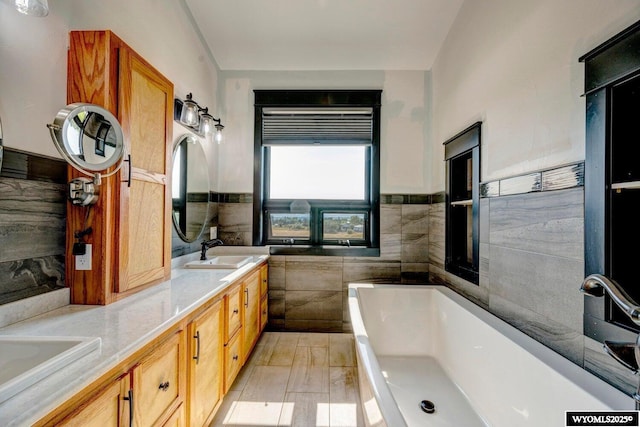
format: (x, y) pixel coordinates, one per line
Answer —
(627, 353)
(206, 244)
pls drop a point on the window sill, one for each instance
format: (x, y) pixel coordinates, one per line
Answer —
(325, 251)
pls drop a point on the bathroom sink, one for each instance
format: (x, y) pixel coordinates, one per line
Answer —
(221, 261)
(27, 360)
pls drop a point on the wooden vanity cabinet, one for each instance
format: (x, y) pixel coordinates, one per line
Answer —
(205, 364)
(131, 237)
(180, 378)
(149, 391)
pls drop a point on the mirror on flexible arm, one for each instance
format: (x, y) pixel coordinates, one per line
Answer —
(90, 139)
(189, 188)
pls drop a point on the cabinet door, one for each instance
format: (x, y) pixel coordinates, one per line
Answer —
(232, 360)
(251, 302)
(205, 364)
(146, 110)
(264, 280)
(158, 382)
(264, 312)
(108, 408)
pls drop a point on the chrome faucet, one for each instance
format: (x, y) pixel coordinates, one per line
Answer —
(206, 244)
(627, 353)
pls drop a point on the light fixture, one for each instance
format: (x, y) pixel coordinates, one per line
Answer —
(219, 128)
(38, 8)
(189, 113)
(196, 118)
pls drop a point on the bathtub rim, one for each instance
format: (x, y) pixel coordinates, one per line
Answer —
(597, 387)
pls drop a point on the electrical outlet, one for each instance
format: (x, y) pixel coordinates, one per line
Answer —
(213, 232)
(83, 262)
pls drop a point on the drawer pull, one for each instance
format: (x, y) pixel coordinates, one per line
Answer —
(235, 357)
(246, 301)
(164, 386)
(197, 356)
(129, 397)
(235, 311)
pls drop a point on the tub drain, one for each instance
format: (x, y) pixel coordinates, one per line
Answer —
(428, 406)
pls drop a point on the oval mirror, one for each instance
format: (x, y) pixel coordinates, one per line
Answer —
(190, 188)
(88, 137)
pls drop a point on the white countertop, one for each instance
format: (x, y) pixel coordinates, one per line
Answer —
(123, 327)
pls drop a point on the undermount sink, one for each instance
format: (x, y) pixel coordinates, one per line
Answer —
(27, 360)
(221, 261)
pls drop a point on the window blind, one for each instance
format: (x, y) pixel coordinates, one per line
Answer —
(302, 126)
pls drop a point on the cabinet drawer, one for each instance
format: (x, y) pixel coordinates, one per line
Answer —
(232, 360)
(233, 303)
(157, 380)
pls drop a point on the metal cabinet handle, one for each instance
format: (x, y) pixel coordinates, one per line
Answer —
(235, 311)
(128, 181)
(235, 357)
(197, 338)
(129, 398)
(246, 300)
(164, 386)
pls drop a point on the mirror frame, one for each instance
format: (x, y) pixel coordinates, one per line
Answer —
(188, 139)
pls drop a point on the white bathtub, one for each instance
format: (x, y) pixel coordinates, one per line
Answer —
(419, 343)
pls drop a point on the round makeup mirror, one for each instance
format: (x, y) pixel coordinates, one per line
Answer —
(190, 188)
(88, 137)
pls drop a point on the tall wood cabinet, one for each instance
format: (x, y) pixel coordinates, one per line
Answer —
(131, 220)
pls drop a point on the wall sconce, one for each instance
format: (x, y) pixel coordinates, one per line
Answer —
(38, 8)
(196, 118)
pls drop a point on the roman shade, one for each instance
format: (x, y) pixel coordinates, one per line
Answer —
(302, 126)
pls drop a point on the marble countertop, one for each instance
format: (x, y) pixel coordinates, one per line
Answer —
(123, 328)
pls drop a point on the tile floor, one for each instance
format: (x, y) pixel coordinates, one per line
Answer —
(296, 379)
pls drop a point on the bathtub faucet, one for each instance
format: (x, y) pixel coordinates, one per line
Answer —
(206, 244)
(596, 285)
(626, 353)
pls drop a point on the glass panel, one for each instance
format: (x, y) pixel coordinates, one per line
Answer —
(343, 226)
(288, 225)
(317, 172)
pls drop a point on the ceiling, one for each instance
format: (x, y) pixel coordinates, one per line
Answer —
(324, 34)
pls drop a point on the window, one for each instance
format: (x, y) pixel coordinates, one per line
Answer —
(612, 180)
(316, 184)
(462, 154)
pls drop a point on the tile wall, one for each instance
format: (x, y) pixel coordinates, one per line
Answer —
(309, 293)
(531, 268)
(32, 225)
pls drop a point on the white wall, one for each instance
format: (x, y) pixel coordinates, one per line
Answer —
(33, 58)
(404, 128)
(514, 65)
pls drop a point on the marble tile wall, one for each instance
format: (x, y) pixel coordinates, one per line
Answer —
(32, 225)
